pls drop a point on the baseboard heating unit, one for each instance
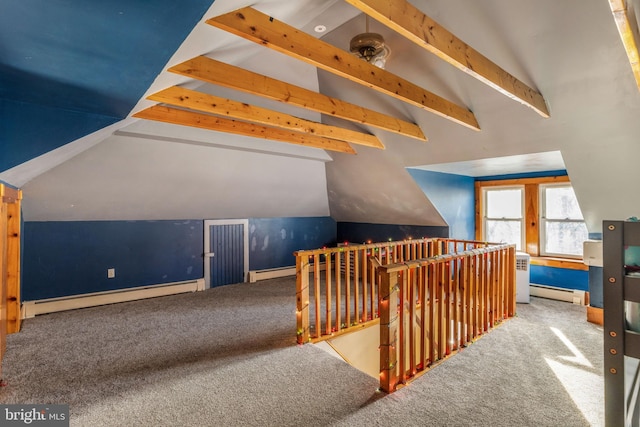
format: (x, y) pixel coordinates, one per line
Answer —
(271, 273)
(561, 294)
(52, 305)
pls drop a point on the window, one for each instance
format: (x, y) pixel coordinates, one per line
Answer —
(562, 227)
(540, 215)
(503, 216)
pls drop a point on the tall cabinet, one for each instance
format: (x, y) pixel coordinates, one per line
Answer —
(621, 300)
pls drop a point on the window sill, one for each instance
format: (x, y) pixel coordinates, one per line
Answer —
(568, 263)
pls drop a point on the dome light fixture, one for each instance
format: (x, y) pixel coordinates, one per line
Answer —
(370, 47)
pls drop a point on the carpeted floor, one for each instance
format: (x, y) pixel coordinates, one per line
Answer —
(227, 356)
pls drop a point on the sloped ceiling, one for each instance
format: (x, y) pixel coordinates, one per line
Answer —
(569, 51)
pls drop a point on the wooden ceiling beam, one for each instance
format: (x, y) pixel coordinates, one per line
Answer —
(222, 74)
(411, 23)
(262, 29)
(628, 29)
(204, 121)
(206, 103)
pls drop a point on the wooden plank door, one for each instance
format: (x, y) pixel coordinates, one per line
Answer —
(226, 254)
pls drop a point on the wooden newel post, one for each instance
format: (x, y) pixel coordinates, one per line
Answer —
(388, 329)
(511, 293)
(302, 298)
(13, 265)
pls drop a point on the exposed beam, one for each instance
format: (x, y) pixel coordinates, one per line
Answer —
(218, 73)
(628, 29)
(414, 25)
(262, 29)
(205, 121)
(207, 103)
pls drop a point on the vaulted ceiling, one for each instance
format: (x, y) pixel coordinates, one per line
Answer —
(253, 112)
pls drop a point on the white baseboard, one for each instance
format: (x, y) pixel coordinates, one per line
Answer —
(272, 273)
(52, 305)
(561, 294)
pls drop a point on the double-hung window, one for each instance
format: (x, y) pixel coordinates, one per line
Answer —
(562, 226)
(503, 217)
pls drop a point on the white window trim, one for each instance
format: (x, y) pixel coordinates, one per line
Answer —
(543, 222)
(485, 218)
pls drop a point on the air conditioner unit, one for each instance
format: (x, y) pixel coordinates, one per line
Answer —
(523, 262)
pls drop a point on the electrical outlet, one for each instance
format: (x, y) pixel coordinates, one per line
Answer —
(111, 273)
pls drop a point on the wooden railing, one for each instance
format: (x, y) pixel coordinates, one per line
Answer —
(10, 199)
(430, 308)
(337, 288)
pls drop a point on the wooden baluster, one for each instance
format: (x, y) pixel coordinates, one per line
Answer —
(356, 286)
(503, 281)
(316, 294)
(424, 301)
(402, 335)
(338, 276)
(442, 311)
(479, 290)
(347, 287)
(485, 285)
(492, 289)
(365, 286)
(433, 311)
(501, 273)
(464, 298)
(456, 303)
(475, 295)
(373, 300)
(302, 298)
(451, 307)
(485, 292)
(412, 273)
(328, 282)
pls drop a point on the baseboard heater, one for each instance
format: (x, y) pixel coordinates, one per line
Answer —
(271, 273)
(561, 294)
(52, 305)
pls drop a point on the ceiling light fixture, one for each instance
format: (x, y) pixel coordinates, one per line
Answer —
(370, 47)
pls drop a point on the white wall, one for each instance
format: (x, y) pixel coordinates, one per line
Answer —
(133, 178)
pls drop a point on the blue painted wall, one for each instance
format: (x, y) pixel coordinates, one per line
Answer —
(560, 277)
(29, 130)
(272, 241)
(453, 196)
(356, 232)
(70, 68)
(542, 174)
(69, 258)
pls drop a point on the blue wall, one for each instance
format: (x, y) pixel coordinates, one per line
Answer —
(560, 277)
(272, 241)
(453, 196)
(70, 68)
(542, 174)
(28, 130)
(356, 232)
(68, 258)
